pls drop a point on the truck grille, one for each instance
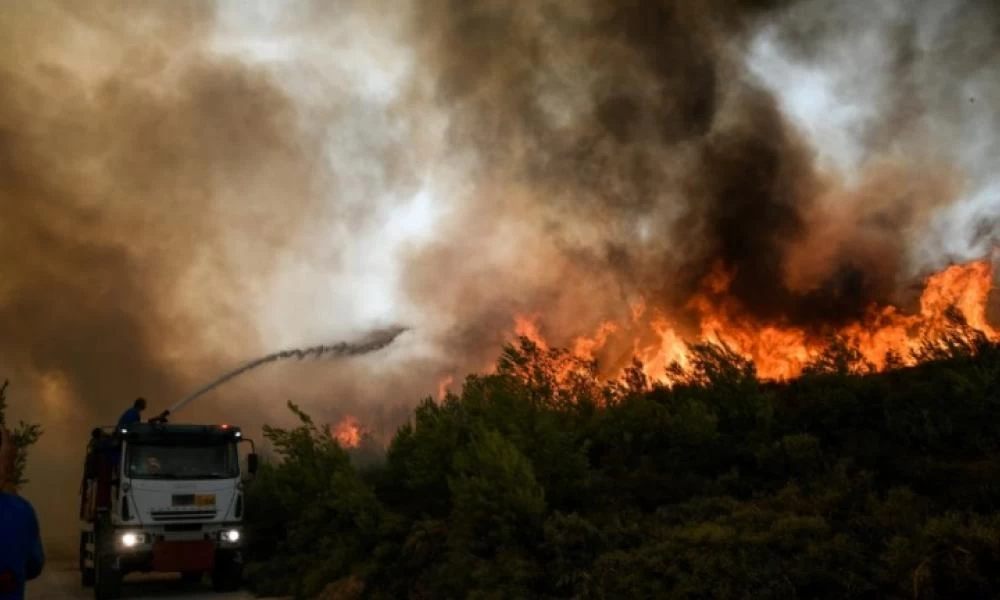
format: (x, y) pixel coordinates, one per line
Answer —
(183, 515)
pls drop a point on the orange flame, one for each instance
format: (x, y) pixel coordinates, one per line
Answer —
(783, 352)
(347, 432)
(526, 327)
(443, 385)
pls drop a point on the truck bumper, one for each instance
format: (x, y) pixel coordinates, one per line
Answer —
(193, 555)
(178, 557)
(153, 549)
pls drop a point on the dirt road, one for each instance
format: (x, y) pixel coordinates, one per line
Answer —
(61, 581)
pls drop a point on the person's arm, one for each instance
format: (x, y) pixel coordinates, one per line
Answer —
(35, 553)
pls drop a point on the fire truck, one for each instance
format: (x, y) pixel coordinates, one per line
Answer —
(159, 497)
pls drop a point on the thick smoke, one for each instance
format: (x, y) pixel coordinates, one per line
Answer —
(645, 144)
(149, 187)
(188, 184)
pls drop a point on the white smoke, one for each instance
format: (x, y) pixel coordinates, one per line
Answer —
(896, 80)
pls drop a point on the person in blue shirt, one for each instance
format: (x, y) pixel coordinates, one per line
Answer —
(132, 415)
(21, 555)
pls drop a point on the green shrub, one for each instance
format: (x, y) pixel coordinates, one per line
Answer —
(24, 436)
(541, 481)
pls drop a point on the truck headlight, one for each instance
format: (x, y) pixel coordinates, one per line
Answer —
(232, 536)
(129, 540)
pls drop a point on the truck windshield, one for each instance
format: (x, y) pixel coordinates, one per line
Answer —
(170, 461)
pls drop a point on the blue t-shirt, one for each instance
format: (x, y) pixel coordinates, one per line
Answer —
(21, 554)
(129, 417)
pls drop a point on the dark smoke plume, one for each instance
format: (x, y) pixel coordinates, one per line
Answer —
(632, 138)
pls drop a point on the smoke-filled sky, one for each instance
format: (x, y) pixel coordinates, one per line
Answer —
(186, 184)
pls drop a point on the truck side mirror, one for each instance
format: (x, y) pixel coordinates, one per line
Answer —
(252, 464)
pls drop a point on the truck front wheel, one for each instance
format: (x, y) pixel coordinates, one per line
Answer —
(108, 584)
(108, 577)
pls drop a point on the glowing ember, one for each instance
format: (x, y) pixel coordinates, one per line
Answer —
(783, 352)
(347, 432)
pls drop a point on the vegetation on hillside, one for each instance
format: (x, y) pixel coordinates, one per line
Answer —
(540, 481)
(24, 435)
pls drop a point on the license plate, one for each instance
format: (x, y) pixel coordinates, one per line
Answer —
(204, 500)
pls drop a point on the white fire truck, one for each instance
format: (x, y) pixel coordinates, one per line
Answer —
(160, 497)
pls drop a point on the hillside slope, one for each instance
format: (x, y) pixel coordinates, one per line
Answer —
(539, 481)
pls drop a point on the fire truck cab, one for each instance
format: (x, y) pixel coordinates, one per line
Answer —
(160, 497)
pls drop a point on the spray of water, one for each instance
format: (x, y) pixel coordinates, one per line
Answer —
(373, 342)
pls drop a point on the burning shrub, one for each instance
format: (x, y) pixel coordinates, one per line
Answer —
(539, 480)
(313, 519)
